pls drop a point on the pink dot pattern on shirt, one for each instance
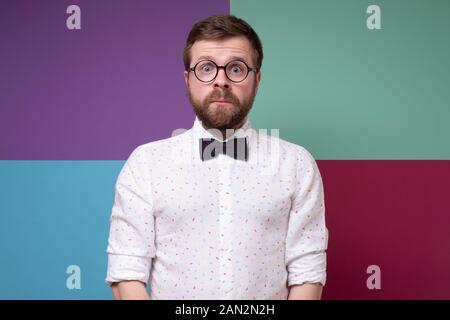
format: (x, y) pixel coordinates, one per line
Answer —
(219, 229)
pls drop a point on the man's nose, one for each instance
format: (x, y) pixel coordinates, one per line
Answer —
(221, 80)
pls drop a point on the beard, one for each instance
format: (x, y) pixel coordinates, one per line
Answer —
(225, 117)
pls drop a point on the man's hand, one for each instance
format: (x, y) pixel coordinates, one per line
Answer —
(306, 291)
(129, 290)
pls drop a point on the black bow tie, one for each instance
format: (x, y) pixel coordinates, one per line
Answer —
(235, 148)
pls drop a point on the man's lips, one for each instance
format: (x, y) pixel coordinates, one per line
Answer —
(221, 101)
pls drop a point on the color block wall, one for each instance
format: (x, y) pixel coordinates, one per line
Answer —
(372, 106)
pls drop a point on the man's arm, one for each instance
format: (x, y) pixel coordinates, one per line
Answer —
(129, 290)
(307, 291)
(131, 242)
(307, 235)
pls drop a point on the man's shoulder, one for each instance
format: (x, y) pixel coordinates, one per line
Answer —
(162, 146)
(287, 148)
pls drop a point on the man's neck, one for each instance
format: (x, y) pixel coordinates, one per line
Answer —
(226, 133)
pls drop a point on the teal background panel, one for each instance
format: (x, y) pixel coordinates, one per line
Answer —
(346, 92)
(55, 214)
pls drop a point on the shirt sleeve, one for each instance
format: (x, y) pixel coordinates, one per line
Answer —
(307, 235)
(131, 242)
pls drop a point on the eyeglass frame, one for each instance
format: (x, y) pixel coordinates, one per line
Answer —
(224, 70)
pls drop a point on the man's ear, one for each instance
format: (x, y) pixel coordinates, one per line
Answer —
(186, 77)
(258, 78)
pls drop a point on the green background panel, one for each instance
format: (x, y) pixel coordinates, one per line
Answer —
(346, 92)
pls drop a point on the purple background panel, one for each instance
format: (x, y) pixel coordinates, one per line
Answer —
(98, 92)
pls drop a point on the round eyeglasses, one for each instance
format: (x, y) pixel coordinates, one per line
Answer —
(207, 70)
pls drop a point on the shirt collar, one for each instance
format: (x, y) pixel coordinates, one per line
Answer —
(245, 130)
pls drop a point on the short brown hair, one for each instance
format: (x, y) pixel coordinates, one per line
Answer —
(221, 27)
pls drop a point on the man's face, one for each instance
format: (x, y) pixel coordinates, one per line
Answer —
(239, 96)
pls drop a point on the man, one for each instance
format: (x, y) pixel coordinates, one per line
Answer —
(211, 213)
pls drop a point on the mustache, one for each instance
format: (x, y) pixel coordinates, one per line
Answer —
(225, 95)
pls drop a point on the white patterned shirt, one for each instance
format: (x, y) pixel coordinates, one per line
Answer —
(221, 228)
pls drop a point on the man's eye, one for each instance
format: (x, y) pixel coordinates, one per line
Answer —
(236, 69)
(206, 68)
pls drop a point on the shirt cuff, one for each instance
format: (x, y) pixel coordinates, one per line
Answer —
(126, 267)
(310, 268)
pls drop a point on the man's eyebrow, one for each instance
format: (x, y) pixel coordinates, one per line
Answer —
(229, 58)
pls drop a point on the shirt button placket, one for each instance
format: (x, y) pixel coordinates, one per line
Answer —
(226, 224)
